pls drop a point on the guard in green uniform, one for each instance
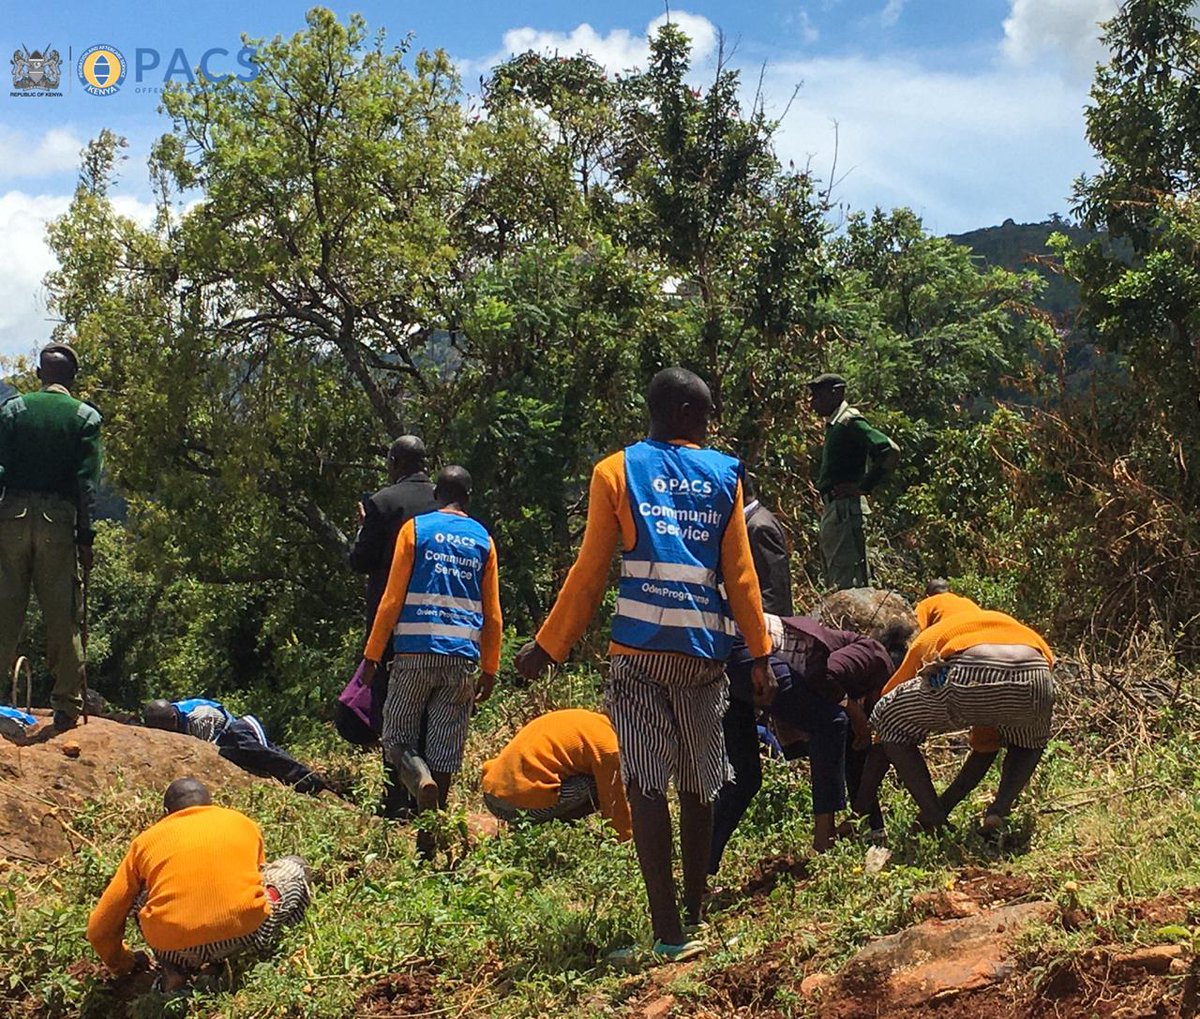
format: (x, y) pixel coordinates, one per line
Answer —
(856, 458)
(49, 471)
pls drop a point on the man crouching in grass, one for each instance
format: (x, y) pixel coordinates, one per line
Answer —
(200, 890)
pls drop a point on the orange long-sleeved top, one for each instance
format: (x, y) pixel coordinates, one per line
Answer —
(529, 771)
(201, 870)
(392, 602)
(609, 520)
(960, 631)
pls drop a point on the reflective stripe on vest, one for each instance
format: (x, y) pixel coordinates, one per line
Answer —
(443, 609)
(671, 596)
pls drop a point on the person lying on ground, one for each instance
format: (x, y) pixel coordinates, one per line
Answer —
(200, 890)
(676, 511)
(968, 667)
(441, 613)
(241, 741)
(562, 766)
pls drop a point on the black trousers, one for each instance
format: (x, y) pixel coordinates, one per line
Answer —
(242, 745)
(741, 747)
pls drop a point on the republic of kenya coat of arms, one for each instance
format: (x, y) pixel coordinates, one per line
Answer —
(40, 70)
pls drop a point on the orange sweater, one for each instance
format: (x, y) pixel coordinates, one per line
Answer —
(396, 591)
(201, 869)
(610, 518)
(528, 773)
(952, 624)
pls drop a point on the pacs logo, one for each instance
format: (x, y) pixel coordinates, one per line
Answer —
(459, 541)
(682, 485)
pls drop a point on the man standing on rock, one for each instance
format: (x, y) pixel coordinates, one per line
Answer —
(854, 460)
(200, 889)
(49, 473)
(687, 574)
(408, 493)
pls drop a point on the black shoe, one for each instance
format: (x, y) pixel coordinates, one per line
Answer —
(64, 721)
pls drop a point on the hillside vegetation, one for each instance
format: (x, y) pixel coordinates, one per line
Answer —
(350, 247)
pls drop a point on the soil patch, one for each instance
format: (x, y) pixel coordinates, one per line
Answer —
(43, 782)
(401, 994)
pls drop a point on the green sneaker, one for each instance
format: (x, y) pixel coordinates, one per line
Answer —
(678, 953)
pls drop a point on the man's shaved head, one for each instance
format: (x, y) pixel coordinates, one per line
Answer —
(680, 405)
(937, 586)
(405, 456)
(453, 486)
(160, 714)
(57, 367)
(184, 793)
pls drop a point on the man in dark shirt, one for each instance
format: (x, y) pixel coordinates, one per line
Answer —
(408, 494)
(823, 676)
(769, 548)
(854, 460)
(49, 472)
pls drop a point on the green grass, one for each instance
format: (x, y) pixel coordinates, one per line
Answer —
(519, 925)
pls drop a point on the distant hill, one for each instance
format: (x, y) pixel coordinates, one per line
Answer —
(1010, 246)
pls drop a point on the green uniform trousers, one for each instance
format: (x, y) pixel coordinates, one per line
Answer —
(843, 544)
(37, 549)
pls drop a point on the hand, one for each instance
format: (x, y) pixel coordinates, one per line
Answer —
(360, 511)
(532, 661)
(485, 686)
(764, 682)
(87, 557)
(141, 962)
(846, 490)
(369, 668)
(860, 725)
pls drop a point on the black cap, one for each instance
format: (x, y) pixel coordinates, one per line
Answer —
(60, 348)
(829, 379)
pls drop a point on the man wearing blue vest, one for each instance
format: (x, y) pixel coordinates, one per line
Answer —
(441, 612)
(241, 741)
(687, 575)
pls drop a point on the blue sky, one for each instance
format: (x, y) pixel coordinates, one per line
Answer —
(969, 111)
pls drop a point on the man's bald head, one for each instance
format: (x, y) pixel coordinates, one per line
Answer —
(160, 714)
(405, 456)
(184, 793)
(680, 405)
(57, 365)
(937, 586)
(453, 487)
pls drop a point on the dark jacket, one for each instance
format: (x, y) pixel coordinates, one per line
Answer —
(842, 663)
(769, 548)
(386, 512)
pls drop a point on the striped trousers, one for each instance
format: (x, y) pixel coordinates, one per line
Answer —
(1017, 699)
(286, 881)
(667, 711)
(575, 792)
(435, 691)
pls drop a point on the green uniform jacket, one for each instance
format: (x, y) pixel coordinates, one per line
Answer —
(50, 444)
(850, 444)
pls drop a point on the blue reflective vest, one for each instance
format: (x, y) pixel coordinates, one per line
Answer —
(671, 596)
(24, 718)
(185, 708)
(443, 610)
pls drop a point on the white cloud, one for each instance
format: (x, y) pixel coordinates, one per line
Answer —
(963, 149)
(808, 29)
(1057, 29)
(55, 152)
(619, 50)
(891, 12)
(25, 259)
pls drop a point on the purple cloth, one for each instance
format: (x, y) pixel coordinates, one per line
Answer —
(361, 700)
